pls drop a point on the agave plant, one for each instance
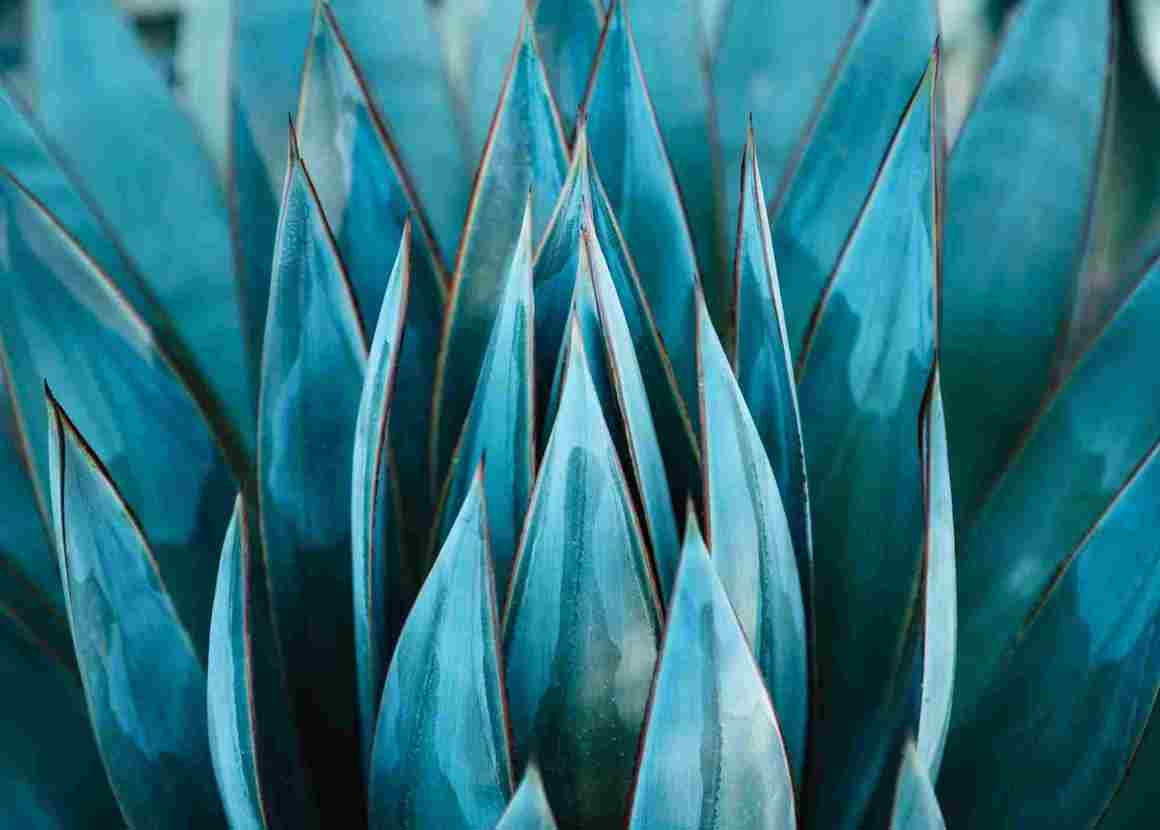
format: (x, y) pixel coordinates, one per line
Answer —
(636, 513)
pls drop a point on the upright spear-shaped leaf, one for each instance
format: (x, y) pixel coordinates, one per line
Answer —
(386, 574)
(441, 758)
(500, 424)
(143, 680)
(712, 757)
(915, 805)
(529, 808)
(525, 153)
(1031, 148)
(314, 357)
(256, 757)
(583, 620)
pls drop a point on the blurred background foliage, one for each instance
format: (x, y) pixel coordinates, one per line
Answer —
(179, 33)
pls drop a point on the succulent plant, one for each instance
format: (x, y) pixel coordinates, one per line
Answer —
(636, 513)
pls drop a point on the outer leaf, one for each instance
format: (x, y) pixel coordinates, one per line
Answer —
(101, 97)
(30, 157)
(630, 154)
(915, 805)
(1080, 676)
(582, 622)
(1134, 801)
(773, 62)
(62, 321)
(941, 605)
(1081, 447)
(428, 769)
(525, 151)
(529, 808)
(568, 33)
(712, 755)
(50, 772)
(822, 197)
(584, 202)
(314, 357)
(761, 361)
(252, 743)
(500, 423)
(676, 56)
(385, 581)
(866, 366)
(1031, 147)
(750, 538)
(144, 684)
(398, 50)
(367, 199)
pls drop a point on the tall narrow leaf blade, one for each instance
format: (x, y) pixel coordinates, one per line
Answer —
(773, 62)
(367, 200)
(676, 57)
(915, 804)
(762, 362)
(529, 808)
(63, 321)
(630, 154)
(145, 686)
(254, 749)
(712, 756)
(1031, 148)
(50, 770)
(397, 47)
(820, 201)
(583, 621)
(500, 422)
(525, 152)
(1083, 444)
(430, 770)
(313, 361)
(1135, 799)
(568, 32)
(940, 582)
(865, 373)
(102, 98)
(1080, 675)
(750, 538)
(385, 579)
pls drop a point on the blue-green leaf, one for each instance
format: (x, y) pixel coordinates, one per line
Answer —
(529, 808)
(254, 749)
(313, 361)
(102, 98)
(867, 361)
(750, 538)
(145, 687)
(630, 154)
(397, 48)
(915, 804)
(1031, 148)
(50, 772)
(28, 154)
(1048, 738)
(583, 202)
(941, 604)
(1084, 443)
(385, 580)
(822, 197)
(1135, 802)
(712, 757)
(676, 59)
(582, 625)
(441, 757)
(627, 381)
(500, 424)
(761, 360)
(568, 32)
(63, 321)
(525, 152)
(367, 199)
(773, 61)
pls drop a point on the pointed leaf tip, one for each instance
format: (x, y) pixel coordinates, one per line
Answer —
(529, 808)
